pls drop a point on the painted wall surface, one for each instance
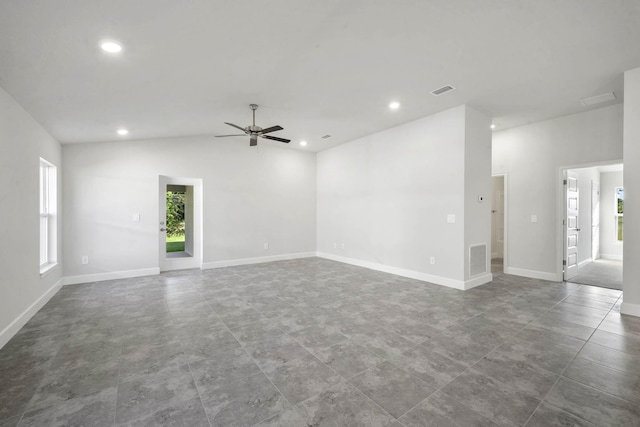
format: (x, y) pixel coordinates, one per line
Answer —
(386, 197)
(22, 142)
(532, 155)
(585, 177)
(477, 183)
(609, 246)
(631, 273)
(250, 197)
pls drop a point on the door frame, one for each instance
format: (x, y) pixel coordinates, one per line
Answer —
(560, 213)
(505, 226)
(195, 261)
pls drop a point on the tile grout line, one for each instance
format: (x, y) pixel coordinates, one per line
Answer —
(491, 351)
(561, 375)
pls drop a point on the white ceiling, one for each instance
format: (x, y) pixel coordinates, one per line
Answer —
(315, 67)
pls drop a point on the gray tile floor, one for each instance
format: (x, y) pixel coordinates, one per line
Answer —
(319, 343)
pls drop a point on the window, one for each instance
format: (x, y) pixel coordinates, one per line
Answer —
(48, 229)
(619, 213)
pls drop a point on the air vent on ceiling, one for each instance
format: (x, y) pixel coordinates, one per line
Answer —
(443, 89)
(598, 99)
(326, 136)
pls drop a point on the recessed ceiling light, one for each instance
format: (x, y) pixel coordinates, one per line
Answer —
(394, 105)
(303, 143)
(123, 132)
(111, 47)
(493, 126)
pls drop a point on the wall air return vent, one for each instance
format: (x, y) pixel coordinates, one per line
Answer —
(443, 89)
(477, 259)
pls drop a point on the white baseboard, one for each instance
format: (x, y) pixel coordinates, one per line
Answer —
(533, 274)
(586, 261)
(13, 328)
(425, 277)
(112, 275)
(256, 260)
(611, 256)
(630, 309)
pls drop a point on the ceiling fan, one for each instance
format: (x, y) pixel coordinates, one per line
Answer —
(256, 131)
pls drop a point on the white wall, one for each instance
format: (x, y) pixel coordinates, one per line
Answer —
(386, 198)
(477, 183)
(631, 273)
(532, 155)
(609, 245)
(22, 142)
(251, 196)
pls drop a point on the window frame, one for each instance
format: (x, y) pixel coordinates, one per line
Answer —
(47, 216)
(619, 216)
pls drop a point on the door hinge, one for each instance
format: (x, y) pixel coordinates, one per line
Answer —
(564, 222)
(564, 182)
(564, 262)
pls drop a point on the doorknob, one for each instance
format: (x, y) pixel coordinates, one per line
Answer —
(163, 229)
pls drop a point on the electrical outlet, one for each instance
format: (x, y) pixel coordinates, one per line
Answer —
(343, 246)
(335, 245)
(534, 218)
(451, 218)
(432, 260)
(136, 217)
(266, 246)
(85, 260)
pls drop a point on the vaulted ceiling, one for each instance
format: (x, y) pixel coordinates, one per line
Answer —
(314, 67)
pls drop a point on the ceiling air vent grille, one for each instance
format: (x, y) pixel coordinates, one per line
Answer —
(598, 99)
(443, 89)
(326, 136)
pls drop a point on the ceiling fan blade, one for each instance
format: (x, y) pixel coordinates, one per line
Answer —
(235, 126)
(223, 136)
(253, 141)
(275, 138)
(271, 129)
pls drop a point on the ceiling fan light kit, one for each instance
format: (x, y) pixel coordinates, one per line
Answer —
(256, 131)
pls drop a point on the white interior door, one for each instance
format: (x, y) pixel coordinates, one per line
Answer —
(497, 217)
(571, 226)
(595, 220)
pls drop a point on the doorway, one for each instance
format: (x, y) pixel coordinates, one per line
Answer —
(592, 242)
(498, 223)
(180, 223)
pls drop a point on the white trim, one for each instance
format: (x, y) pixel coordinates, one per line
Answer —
(412, 274)
(112, 275)
(477, 281)
(630, 309)
(611, 256)
(13, 327)
(533, 274)
(48, 269)
(256, 260)
(586, 261)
